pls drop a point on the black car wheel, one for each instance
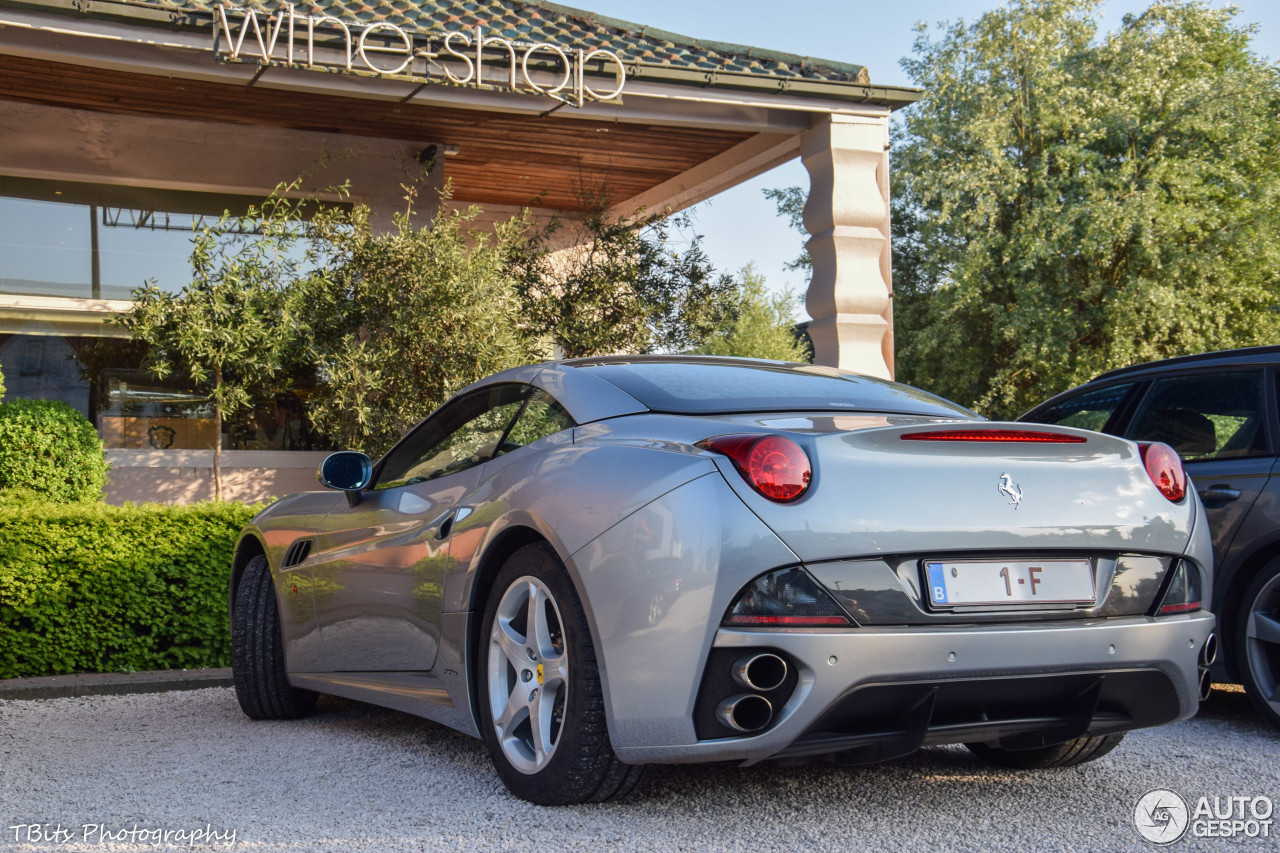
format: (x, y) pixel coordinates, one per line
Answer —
(257, 651)
(540, 700)
(1067, 754)
(1257, 641)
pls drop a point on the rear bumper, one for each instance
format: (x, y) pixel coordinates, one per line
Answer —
(873, 694)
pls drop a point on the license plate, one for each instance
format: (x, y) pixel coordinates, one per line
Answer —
(994, 582)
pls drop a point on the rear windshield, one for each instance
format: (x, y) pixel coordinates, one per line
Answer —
(696, 388)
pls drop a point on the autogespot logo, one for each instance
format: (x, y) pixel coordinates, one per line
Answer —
(1161, 816)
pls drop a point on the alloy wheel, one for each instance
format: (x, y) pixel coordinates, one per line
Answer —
(1262, 643)
(528, 674)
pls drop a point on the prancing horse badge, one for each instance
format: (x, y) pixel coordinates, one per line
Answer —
(1011, 490)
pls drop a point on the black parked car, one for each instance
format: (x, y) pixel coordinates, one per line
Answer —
(1219, 410)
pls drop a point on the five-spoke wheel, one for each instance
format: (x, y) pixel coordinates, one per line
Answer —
(1258, 641)
(528, 674)
(540, 699)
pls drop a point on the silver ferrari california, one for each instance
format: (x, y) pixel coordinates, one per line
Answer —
(601, 564)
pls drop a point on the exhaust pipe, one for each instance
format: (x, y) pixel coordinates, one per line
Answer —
(1209, 653)
(745, 712)
(1206, 684)
(761, 672)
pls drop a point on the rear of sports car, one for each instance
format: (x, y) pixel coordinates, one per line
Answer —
(861, 585)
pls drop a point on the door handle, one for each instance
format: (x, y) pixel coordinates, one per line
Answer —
(1220, 493)
(445, 522)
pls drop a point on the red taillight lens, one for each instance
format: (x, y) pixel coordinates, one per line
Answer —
(777, 467)
(1164, 467)
(1022, 435)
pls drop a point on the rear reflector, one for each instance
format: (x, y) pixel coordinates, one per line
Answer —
(1020, 435)
(809, 621)
(1179, 608)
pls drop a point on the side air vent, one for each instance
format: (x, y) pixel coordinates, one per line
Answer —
(298, 551)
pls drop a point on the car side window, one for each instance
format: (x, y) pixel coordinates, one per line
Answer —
(1091, 410)
(464, 433)
(1204, 416)
(542, 416)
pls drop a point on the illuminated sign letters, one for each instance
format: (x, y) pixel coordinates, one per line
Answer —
(460, 57)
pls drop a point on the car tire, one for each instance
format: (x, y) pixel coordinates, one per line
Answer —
(1257, 641)
(257, 651)
(1067, 754)
(545, 681)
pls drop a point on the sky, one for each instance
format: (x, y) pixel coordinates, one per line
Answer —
(740, 226)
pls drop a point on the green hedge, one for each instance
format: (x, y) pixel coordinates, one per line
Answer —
(98, 588)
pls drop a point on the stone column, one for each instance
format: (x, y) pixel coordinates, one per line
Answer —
(848, 215)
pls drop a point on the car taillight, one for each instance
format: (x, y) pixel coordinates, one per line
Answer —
(785, 598)
(1016, 435)
(1183, 594)
(1164, 467)
(776, 467)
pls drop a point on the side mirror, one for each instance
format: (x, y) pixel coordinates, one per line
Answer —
(347, 471)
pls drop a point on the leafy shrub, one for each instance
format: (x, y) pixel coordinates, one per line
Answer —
(763, 326)
(97, 588)
(50, 449)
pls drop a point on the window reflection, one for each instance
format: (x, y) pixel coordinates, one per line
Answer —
(88, 241)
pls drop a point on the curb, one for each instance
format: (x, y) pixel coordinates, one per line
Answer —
(113, 683)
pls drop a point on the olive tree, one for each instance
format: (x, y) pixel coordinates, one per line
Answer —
(637, 285)
(228, 327)
(395, 321)
(763, 327)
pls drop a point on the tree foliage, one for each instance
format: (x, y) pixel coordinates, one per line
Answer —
(397, 321)
(623, 287)
(392, 321)
(227, 328)
(762, 327)
(1065, 204)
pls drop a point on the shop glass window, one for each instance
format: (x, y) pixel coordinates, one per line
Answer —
(60, 238)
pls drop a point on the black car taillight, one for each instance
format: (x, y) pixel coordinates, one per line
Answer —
(1183, 594)
(1164, 467)
(776, 467)
(786, 597)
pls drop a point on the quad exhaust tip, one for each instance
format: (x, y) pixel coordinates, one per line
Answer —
(1206, 684)
(1209, 653)
(761, 672)
(745, 712)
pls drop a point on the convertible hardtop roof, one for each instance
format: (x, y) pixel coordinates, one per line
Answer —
(706, 385)
(726, 360)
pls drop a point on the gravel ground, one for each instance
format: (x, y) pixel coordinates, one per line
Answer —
(359, 777)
